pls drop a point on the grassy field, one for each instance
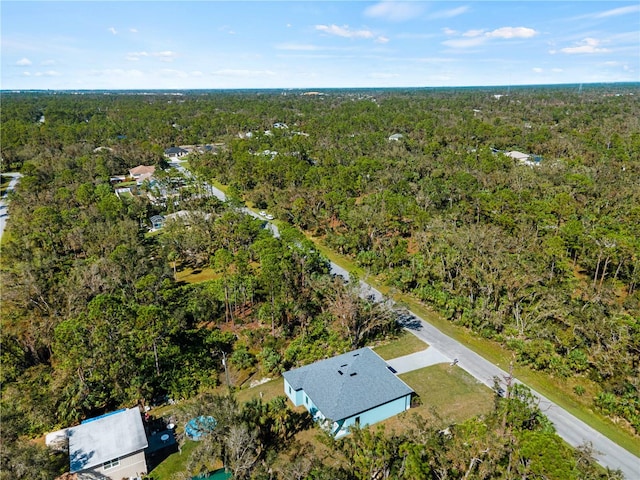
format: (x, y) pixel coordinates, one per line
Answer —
(190, 275)
(174, 463)
(450, 391)
(405, 344)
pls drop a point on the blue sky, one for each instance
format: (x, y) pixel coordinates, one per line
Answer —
(316, 44)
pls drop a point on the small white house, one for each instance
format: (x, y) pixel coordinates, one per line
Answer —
(110, 446)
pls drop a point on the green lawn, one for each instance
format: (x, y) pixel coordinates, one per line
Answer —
(450, 391)
(174, 463)
(405, 344)
(190, 275)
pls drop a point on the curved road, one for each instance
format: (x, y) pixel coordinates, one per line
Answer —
(574, 431)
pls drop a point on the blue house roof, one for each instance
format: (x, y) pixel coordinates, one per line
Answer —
(348, 384)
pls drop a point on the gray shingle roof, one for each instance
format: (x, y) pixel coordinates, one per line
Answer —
(348, 384)
(105, 438)
(174, 150)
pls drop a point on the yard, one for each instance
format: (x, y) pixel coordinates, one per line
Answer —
(445, 390)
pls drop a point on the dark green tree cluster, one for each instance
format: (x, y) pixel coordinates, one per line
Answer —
(514, 441)
(92, 315)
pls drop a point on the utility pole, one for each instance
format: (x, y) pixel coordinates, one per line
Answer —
(226, 371)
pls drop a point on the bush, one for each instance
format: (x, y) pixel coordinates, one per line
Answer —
(243, 358)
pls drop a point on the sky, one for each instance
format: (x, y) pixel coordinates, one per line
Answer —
(315, 44)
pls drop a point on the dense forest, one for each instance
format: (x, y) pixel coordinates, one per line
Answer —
(543, 257)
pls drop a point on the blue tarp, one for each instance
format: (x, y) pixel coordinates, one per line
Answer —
(199, 426)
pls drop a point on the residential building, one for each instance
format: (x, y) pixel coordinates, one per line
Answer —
(355, 388)
(142, 173)
(110, 446)
(175, 152)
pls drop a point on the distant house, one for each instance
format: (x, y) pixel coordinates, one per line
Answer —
(157, 222)
(111, 446)
(517, 155)
(187, 217)
(355, 388)
(175, 152)
(524, 158)
(396, 137)
(142, 173)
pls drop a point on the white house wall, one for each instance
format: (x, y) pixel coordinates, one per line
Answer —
(133, 465)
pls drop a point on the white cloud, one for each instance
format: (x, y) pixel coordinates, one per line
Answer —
(165, 56)
(617, 11)
(23, 62)
(473, 33)
(344, 31)
(453, 12)
(512, 32)
(48, 62)
(394, 11)
(26, 74)
(588, 46)
(473, 38)
(557, 70)
(133, 30)
(449, 31)
(239, 73)
(112, 30)
(382, 39)
(537, 69)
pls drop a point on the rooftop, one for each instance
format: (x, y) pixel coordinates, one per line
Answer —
(142, 170)
(106, 438)
(348, 384)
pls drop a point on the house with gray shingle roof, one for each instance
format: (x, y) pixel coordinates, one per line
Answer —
(355, 388)
(175, 152)
(110, 446)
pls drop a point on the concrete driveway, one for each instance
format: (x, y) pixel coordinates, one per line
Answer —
(421, 359)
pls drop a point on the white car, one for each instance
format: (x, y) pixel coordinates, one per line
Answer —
(268, 216)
